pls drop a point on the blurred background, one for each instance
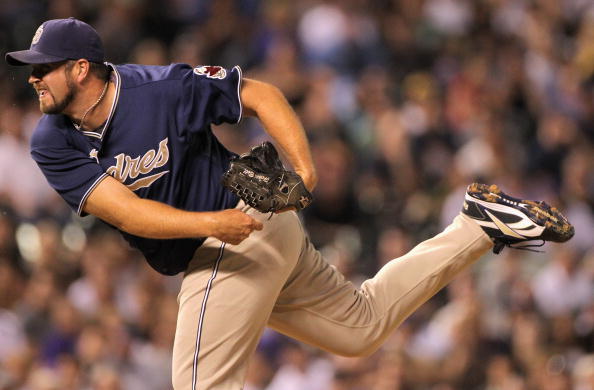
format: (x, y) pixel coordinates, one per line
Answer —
(405, 103)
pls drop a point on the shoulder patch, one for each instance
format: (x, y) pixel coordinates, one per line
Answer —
(213, 72)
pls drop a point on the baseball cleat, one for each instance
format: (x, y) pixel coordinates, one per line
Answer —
(510, 220)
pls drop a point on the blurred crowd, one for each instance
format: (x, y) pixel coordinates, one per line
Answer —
(405, 103)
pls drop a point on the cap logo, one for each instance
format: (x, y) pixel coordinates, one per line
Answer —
(37, 35)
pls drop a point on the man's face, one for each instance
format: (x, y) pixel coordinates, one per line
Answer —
(54, 86)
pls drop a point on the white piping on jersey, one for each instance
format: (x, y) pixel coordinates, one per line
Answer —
(91, 188)
(118, 84)
(236, 67)
(201, 317)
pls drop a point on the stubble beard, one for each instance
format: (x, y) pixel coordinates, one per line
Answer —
(58, 107)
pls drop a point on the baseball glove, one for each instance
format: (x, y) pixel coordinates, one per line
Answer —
(261, 180)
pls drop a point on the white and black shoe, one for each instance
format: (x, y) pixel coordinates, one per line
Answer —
(509, 221)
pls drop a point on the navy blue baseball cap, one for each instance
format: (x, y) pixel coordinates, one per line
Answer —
(58, 40)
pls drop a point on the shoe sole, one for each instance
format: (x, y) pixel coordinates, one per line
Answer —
(557, 227)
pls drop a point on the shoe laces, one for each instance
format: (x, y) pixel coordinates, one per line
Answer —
(529, 247)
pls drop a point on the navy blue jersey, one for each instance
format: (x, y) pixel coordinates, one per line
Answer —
(157, 141)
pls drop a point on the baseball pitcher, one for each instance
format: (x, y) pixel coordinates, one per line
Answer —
(133, 145)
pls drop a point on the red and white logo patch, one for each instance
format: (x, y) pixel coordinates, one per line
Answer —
(213, 72)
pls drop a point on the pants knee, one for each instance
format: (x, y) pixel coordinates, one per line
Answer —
(357, 347)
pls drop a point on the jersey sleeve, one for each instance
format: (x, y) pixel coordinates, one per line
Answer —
(69, 171)
(210, 95)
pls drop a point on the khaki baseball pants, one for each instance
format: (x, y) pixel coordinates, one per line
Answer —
(276, 278)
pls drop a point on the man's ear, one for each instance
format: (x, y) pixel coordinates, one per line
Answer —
(81, 70)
